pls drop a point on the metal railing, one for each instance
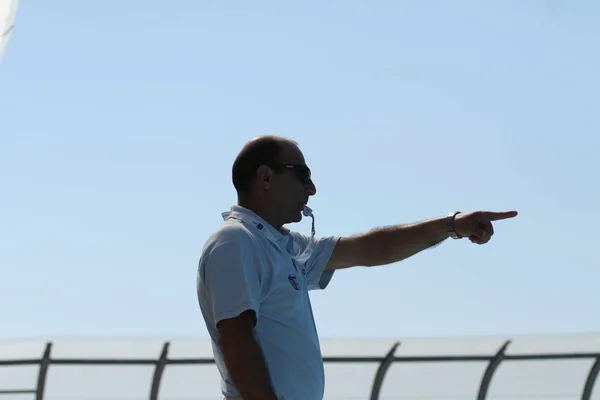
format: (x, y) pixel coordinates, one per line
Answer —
(384, 364)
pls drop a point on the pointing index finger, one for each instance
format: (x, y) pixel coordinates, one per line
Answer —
(496, 216)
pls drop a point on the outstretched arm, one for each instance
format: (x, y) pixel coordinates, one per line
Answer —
(392, 244)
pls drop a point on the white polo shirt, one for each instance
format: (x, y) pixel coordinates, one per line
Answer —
(248, 264)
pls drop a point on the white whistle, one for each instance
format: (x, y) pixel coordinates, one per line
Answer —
(307, 211)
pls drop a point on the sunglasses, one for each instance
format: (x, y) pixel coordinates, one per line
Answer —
(302, 172)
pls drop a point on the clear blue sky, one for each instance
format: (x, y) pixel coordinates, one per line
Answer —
(120, 120)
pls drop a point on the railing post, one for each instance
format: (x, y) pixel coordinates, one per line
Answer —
(489, 371)
(382, 370)
(158, 371)
(591, 380)
(43, 372)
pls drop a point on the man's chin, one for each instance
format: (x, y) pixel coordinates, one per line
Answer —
(296, 218)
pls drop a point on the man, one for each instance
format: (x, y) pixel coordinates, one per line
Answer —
(254, 275)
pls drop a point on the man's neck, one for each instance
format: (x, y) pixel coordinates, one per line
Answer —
(262, 211)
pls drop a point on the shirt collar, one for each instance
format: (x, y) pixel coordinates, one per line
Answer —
(250, 217)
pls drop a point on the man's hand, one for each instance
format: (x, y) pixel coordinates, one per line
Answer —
(477, 225)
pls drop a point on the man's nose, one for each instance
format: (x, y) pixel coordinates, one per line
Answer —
(311, 189)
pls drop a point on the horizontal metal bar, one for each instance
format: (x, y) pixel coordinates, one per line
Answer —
(353, 359)
(100, 361)
(184, 361)
(17, 391)
(19, 362)
(441, 358)
(566, 356)
(514, 357)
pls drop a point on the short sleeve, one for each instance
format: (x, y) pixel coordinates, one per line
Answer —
(322, 248)
(232, 278)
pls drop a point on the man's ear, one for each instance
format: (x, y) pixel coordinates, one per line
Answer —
(265, 176)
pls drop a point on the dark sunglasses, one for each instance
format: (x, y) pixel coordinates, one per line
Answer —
(302, 172)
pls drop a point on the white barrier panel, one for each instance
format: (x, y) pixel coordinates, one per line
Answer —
(531, 368)
(8, 9)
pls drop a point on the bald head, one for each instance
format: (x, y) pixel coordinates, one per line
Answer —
(261, 150)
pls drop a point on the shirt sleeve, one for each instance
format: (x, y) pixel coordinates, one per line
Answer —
(232, 278)
(322, 248)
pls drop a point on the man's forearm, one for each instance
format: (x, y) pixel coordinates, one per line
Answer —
(391, 244)
(248, 369)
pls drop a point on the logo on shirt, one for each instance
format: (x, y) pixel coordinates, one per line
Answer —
(303, 271)
(294, 281)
